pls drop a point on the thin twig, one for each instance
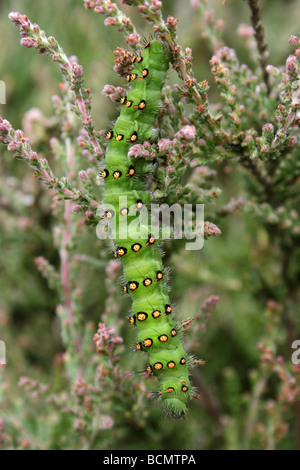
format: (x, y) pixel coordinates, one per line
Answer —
(259, 34)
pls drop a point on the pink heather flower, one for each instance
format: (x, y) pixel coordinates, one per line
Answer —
(292, 140)
(195, 4)
(104, 333)
(5, 126)
(105, 338)
(211, 229)
(245, 31)
(138, 150)
(133, 39)
(172, 22)
(268, 128)
(101, 372)
(29, 42)
(108, 90)
(13, 145)
(77, 72)
(76, 208)
(88, 214)
(106, 422)
(53, 142)
(33, 156)
(121, 91)
(156, 5)
(294, 41)
(205, 172)
(73, 59)
(292, 65)
(23, 381)
(20, 20)
(220, 25)
(187, 133)
(210, 303)
(117, 340)
(99, 9)
(164, 145)
(113, 269)
(110, 21)
(83, 176)
(227, 54)
(273, 71)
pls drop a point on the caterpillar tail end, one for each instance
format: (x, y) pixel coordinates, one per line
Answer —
(175, 407)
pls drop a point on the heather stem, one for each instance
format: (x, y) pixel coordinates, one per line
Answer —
(65, 265)
(260, 40)
(253, 411)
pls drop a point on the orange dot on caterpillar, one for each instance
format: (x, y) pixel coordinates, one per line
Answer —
(149, 369)
(151, 240)
(142, 316)
(104, 173)
(170, 389)
(145, 74)
(184, 388)
(138, 346)
(133, 77)
(147, 343)
(158, 366)
(119, 137)
(141, 105)
(139, 59)
(163, 338)
(147, 282)
(128, 103)
(117, 174)
(182, 360)
(123, 99)
(109, 135)
(131, 171)
(133, 137)
(139, 205)
(124, 211)
(171, 364)
(132, 320)
(173, 333)
(156, 314)
(133, 285)
(120, 251)
(159, 276)
(168, 309)
(136, 247)
(109, 214)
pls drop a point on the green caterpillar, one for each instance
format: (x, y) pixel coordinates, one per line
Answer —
(141, 258)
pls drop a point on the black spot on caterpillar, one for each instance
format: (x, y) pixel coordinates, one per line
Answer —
(157, 331)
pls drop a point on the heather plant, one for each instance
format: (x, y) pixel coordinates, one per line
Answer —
(233, 149)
